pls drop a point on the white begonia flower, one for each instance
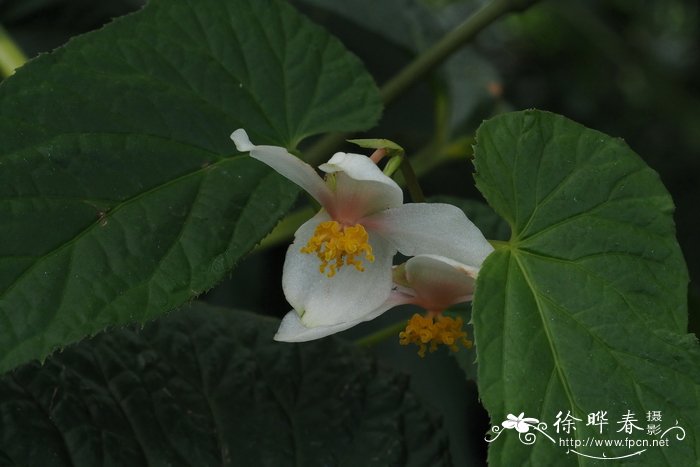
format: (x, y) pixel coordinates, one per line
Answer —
(362, 223)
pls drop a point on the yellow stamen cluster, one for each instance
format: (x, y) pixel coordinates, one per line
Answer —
(337, 246)
(424, 330)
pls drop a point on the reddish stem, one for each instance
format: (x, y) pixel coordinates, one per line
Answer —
(378, 155)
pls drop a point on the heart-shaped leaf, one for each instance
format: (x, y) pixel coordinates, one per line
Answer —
(584, 309)
(121, 195)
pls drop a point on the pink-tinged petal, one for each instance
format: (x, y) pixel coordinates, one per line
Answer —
(360, 186)
(288, 165)
(439, 282)
(361, 168)
(349, 295)
(293, 330)
(434, 229)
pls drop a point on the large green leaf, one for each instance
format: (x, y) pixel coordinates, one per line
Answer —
(120, 193)
(208, 386)
(584, 309)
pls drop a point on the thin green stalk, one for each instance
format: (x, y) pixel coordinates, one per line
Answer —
(446, 46)
(425, 62)
(286, 228)
(411, 180)
(11, 56)
(382, 334)
(324, 147)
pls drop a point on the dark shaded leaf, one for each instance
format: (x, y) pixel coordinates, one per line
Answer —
(208, 386)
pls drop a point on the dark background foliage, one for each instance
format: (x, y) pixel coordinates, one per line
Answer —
(629, 69)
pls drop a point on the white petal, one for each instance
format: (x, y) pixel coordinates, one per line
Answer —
(241, 140)
(288, 165)
(439, 282)
(361, 187)
(509, 424)
(434, 229)
(300, 270)
(349, 295)
(293, 330)
(358, 167)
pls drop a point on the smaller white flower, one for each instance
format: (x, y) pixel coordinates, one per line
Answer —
(434, 282)
(521, 424)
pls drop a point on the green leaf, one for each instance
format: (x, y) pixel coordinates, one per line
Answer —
(208, 386)
(120, 193)
(584, 309)
(376, 143)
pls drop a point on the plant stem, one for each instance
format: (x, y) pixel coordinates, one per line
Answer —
(11, 56)
(286, 228)
(411, 180)
(382, 334)
(446, 46)
(324, 147)
(425, 62)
